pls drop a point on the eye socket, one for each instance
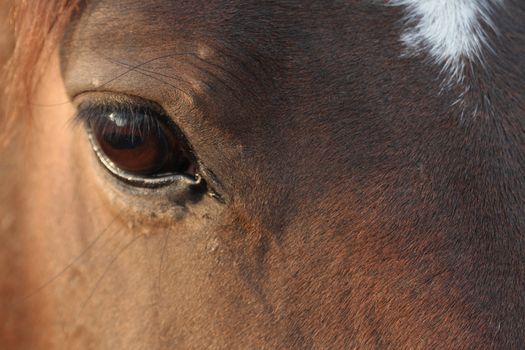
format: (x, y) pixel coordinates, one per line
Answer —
(137, 145)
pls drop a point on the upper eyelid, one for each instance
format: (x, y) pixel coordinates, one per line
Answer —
(111, 99)
(175, 113)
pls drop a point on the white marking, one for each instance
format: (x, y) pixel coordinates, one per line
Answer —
(451, 31)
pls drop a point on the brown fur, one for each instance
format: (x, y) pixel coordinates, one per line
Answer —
(360, 207)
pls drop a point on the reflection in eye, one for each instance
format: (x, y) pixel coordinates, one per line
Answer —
(135, 141)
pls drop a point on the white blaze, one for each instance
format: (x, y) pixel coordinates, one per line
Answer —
(451, 31)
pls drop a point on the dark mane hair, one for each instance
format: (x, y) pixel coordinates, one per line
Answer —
(38, 27)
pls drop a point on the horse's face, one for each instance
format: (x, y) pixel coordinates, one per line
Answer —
(343, 203)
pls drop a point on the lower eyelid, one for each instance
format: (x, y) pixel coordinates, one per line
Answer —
(139, 180)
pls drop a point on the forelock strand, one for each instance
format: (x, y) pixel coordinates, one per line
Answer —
(38, 28)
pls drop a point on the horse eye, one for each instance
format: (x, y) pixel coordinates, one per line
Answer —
(136, 145)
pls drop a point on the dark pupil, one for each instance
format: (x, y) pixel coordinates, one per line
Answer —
(140, 145)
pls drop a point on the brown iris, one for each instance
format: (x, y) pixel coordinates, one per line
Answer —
(138, 144)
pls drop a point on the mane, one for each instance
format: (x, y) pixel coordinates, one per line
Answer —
(38, 27)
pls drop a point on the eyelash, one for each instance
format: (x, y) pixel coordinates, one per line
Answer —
(96, 114)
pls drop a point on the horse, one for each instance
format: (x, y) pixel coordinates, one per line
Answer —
(264, 175)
